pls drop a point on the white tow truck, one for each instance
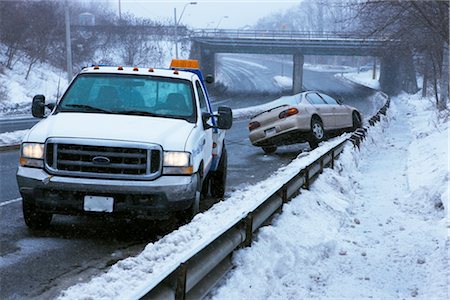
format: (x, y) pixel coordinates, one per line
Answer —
(134, 142)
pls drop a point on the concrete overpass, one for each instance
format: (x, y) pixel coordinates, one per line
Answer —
(396, 72)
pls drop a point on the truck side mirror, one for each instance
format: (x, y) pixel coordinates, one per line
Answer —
(225, 120)
(205, 118)
(38, 106)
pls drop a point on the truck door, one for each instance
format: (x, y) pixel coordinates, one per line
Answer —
(208, 133)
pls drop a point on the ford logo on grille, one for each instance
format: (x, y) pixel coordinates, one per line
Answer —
(101, 160)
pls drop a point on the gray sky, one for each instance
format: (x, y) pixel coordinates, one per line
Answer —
(206, 13)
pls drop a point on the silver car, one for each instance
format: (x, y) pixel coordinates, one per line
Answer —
(306, 117)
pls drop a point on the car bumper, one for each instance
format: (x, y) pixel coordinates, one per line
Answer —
(65, 195)
(288, 131)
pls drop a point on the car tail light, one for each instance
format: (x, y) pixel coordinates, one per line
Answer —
(253, 125)
(288, 112)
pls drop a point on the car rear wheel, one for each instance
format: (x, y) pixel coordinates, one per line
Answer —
(357, 122)
(269, 149)
(317, 132)
(35, 219)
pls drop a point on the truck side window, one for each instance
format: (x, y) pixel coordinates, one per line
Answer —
(201, 97)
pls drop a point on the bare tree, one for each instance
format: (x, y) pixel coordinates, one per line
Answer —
(423, 26)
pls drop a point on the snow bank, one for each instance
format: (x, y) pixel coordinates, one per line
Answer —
(43, 79)
(374, 227)
(12, 138)
(329, 68)
(363, 78)
(284, 82)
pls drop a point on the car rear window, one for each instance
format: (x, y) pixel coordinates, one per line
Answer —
(313, 98)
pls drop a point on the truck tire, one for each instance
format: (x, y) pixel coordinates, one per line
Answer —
(187, 215)
(34, 219)
(218, 178)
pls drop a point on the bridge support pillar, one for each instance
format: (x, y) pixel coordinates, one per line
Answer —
(205, 57)
(297, 76)
(397, 73)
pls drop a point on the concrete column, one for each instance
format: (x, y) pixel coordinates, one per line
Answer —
(297, 76)
(208, 62)
(390, 81)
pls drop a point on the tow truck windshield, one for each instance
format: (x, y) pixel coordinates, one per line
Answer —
(130, 94)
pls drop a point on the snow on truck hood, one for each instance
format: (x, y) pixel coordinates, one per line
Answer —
(171, 134)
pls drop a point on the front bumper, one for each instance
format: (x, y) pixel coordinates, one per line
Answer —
(65, 195)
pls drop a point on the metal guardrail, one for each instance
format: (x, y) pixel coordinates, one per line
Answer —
(194, 277)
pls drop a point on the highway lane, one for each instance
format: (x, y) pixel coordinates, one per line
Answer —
(13, 124)
(40, 264)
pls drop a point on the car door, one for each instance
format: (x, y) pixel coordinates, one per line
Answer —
(324, 110)
(207, 141)
(342, 112)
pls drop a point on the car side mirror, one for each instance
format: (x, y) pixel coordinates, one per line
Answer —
(225, 119)
(205, 118)
(38, 106)
(209, 78)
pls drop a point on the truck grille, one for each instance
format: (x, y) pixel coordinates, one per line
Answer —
(103, 159)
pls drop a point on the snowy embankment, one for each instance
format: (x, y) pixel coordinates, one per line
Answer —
(374, 227)
(12, 138)
(363, 78)
(43, 79)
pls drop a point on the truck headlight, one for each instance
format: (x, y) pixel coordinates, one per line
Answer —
(177, 163)
(32, 155)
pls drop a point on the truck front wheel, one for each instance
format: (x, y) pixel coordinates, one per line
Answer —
(187, 215)
(219, 177)
(34, 219)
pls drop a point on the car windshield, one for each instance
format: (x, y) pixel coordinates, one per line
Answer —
(130, 94)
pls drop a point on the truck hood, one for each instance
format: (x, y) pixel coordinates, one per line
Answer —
(171, 134)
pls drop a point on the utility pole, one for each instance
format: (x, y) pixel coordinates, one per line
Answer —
(68, 43)
(176, 31)
(120, 11)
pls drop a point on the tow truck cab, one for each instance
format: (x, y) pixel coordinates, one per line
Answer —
(139, 142)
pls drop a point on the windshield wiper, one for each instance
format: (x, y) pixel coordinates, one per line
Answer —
(88, 107)
(137, 113)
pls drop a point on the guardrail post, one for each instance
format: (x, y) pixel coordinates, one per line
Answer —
(180, 289)
(307, 178)
(332, 159)
(284, 196)
(321, 165)
(248, 223)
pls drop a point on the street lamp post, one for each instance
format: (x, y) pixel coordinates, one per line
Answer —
(220, 21)
(68, 42)
(177, 21)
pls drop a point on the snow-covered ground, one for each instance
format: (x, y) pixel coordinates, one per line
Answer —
(374, 227)
(43, 79)
(12, 138)
(363, 78)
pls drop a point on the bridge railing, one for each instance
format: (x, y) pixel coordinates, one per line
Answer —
(274, 34)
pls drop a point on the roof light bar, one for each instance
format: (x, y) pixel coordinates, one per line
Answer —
(184, 64)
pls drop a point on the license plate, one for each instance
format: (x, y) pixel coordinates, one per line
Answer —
(98, 204)
(271, 131)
